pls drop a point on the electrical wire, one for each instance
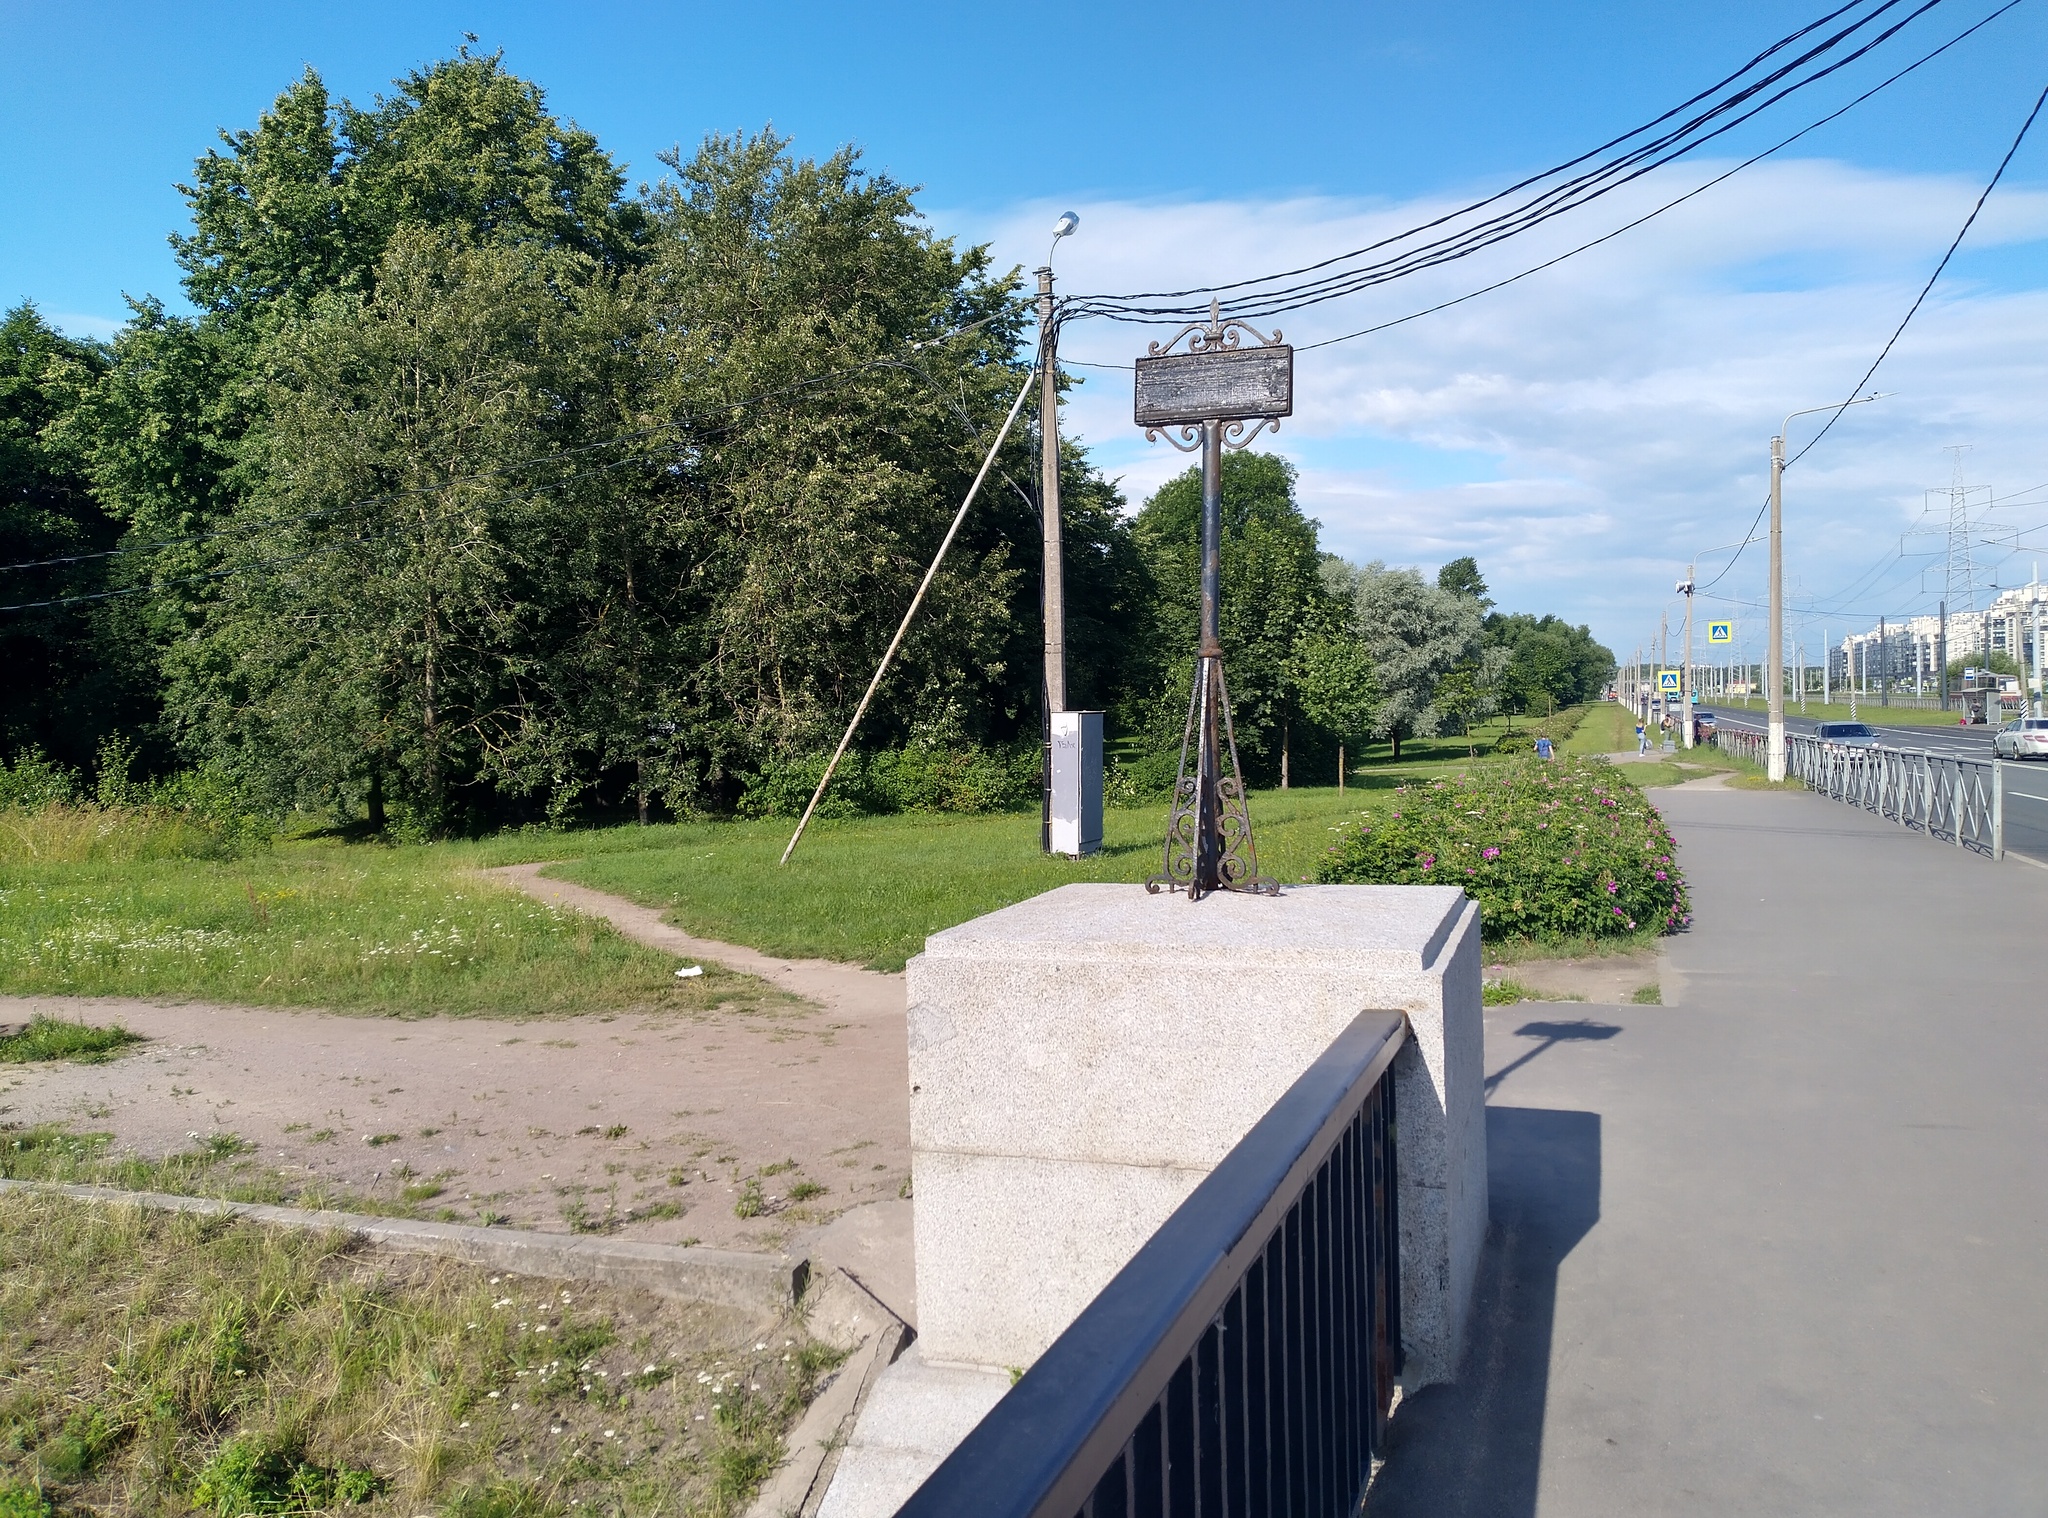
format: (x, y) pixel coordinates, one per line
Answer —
(1572, 193)
(1968, 222)
(1911, 311)
(1629, 226)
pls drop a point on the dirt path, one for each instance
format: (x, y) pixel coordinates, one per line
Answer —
(546, 1123)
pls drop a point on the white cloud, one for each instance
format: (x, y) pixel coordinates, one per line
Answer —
(1585, 429)
(74, 324)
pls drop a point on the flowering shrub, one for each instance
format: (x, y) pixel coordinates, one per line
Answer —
(1562, 850)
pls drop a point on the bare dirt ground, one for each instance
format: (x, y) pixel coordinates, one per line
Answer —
(1609, 981)
(555, 1123)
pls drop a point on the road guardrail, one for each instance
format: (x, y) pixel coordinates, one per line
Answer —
(1945, 796)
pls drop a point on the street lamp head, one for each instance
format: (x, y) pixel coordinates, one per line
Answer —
(1064, 227)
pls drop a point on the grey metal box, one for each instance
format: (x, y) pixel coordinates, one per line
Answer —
(1076, 783)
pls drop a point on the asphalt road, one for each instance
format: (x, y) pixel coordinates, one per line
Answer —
(2026, 781)
(1776, 1247)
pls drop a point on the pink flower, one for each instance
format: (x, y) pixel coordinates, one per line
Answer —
(1612, 887)
(1489, 853)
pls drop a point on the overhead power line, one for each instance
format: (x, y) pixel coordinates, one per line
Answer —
(1730, 102)
(1918, 300)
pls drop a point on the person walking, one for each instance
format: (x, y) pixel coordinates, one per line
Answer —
(1642, 740)
(1543, 748)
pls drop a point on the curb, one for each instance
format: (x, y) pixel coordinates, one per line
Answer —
(770, 1284)
(843, 1311)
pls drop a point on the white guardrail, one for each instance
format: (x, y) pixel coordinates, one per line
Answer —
(1946, 797)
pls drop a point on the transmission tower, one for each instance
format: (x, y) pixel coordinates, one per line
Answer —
(1961, 585)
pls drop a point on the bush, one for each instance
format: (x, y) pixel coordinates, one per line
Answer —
(32, 781)
(1559, 726)
(917, 778)
(19, 1501)
(1145, 778)
(46, 817)
(1568, 849)
(250, 1474)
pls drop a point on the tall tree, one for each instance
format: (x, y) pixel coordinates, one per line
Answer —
(64, 674)
(307, 201)
(391, 616)
(1551, 663)
(836, 373)
(1415, 635)
(1272, 596)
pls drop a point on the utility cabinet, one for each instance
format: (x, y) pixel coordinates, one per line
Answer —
(1076, 783)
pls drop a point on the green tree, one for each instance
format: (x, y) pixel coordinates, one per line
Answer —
(810, 514)
(1998, 662)
(402, 583)
(1461, 577)
(1415, 635)
(64, 677)
(1551, 663)
(307, 201)
(1272, 595)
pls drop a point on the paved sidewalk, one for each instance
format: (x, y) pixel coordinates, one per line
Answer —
(1779, 1246)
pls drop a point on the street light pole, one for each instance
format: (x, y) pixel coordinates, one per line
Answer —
(1685, 673)
(1054, 570)
(1775, 752)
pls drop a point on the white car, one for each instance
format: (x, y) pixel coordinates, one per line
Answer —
(1848, 735)
(2025, 739)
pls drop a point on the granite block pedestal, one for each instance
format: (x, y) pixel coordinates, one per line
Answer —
(1079, 1061)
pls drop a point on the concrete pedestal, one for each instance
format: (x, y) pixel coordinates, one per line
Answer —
(1078, 1062)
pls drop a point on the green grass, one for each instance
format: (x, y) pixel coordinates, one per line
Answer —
(870, 890)
(1867, 710)
(216, 1165)
(49, 1038)
(155, 1362)
(353, 927)
(412, 930)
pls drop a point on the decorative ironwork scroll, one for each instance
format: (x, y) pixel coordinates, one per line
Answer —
(1218, 395)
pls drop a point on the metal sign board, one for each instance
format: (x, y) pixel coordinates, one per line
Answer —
(1720, 632)
(1667, 680)
(1216, 385)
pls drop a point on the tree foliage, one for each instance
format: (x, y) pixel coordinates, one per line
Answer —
(480, 489)
(1551, 664)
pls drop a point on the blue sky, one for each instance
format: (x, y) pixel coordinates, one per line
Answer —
(1579, 433)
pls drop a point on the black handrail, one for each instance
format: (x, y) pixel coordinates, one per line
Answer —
(1243, 1361)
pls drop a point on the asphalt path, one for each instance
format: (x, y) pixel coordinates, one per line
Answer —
(2026, 781)
(1777, 1246)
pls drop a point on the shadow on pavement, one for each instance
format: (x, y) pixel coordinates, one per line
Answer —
(1472, 1449)
(1552, 1034)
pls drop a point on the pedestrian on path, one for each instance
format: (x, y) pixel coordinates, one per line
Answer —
(1642, 740)
(1543, 749)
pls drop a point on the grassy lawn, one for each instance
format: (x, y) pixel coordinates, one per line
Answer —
(870, 890)
(1867, 710)
(356, 927)
(412, 930)
(154, 1363)
(222, 1165)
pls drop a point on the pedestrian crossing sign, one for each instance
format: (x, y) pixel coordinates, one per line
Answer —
(1720, 632)
(1667, 680)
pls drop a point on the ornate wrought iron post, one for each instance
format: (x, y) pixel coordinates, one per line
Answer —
(1205, 398)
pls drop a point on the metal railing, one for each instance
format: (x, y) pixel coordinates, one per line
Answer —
(1943, 795)
(1243, 1362)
